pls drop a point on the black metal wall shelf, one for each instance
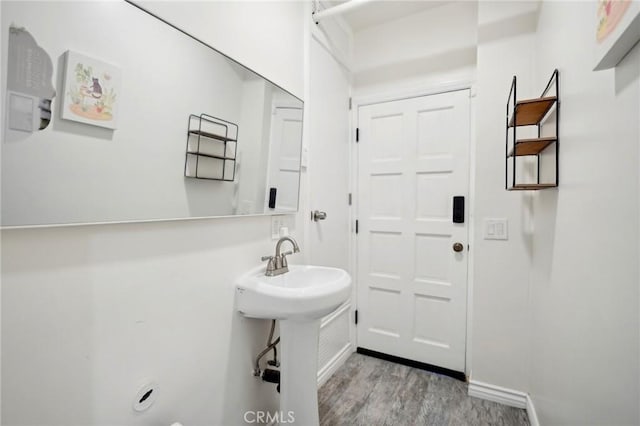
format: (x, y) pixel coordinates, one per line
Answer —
(212, 145)
(531, 112)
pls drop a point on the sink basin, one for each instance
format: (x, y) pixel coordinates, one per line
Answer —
(304, 292)
(298, 299)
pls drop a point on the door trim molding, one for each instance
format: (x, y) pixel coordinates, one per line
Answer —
(393, 95)
(498, 394)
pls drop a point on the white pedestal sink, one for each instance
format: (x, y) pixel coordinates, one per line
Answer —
(298, 299)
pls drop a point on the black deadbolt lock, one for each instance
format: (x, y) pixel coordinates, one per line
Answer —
(458, 209)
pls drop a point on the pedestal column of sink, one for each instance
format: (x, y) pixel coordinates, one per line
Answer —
(298, 299)
(299, 370)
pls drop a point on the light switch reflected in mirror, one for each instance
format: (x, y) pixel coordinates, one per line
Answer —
(120, 141)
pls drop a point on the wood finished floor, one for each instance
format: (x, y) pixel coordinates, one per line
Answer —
(369, 391)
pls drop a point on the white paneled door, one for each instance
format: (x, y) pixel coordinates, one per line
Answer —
(284, 161)
(413, 158)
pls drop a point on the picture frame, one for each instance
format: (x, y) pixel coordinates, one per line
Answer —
(617, 30)
(91, 91)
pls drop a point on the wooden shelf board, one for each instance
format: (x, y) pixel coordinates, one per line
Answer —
(532, 146)
(211, 136)
(532, 186)
(531, 111)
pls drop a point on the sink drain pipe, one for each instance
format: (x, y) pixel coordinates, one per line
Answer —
(271, 345)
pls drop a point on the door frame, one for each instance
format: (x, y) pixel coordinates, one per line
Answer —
(396, 95)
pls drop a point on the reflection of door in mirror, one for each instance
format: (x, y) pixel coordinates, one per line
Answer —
(284, 156)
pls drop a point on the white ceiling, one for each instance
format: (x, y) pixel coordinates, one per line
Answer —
(377, 12)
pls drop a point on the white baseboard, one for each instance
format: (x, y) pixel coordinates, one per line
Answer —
(531, 412)
(498, 394)
(336, 362)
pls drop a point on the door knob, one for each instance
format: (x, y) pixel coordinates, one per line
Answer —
(458, 247)
(318, 215)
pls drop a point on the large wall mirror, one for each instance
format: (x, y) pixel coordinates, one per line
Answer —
(113, 115)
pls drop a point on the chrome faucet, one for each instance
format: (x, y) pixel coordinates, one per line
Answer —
(278, 264)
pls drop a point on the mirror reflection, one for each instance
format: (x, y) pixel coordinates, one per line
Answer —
(148, 124)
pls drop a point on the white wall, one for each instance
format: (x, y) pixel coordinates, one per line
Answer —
(89, 312)
(556, 306)
(251, 32)
(428, 48)
(500, 300)
(585, 357)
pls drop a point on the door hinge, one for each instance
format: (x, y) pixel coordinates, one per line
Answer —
(350, 103)
(357, 134)
(356, 317)
(350, 199)
(356, 226)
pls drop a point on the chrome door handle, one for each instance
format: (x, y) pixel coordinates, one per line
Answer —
(458, 247)
(318, 215)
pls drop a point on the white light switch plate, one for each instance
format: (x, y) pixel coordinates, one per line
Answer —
(496, 229)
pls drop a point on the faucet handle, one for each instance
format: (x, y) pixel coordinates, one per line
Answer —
(271, 265)
(283, 260)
